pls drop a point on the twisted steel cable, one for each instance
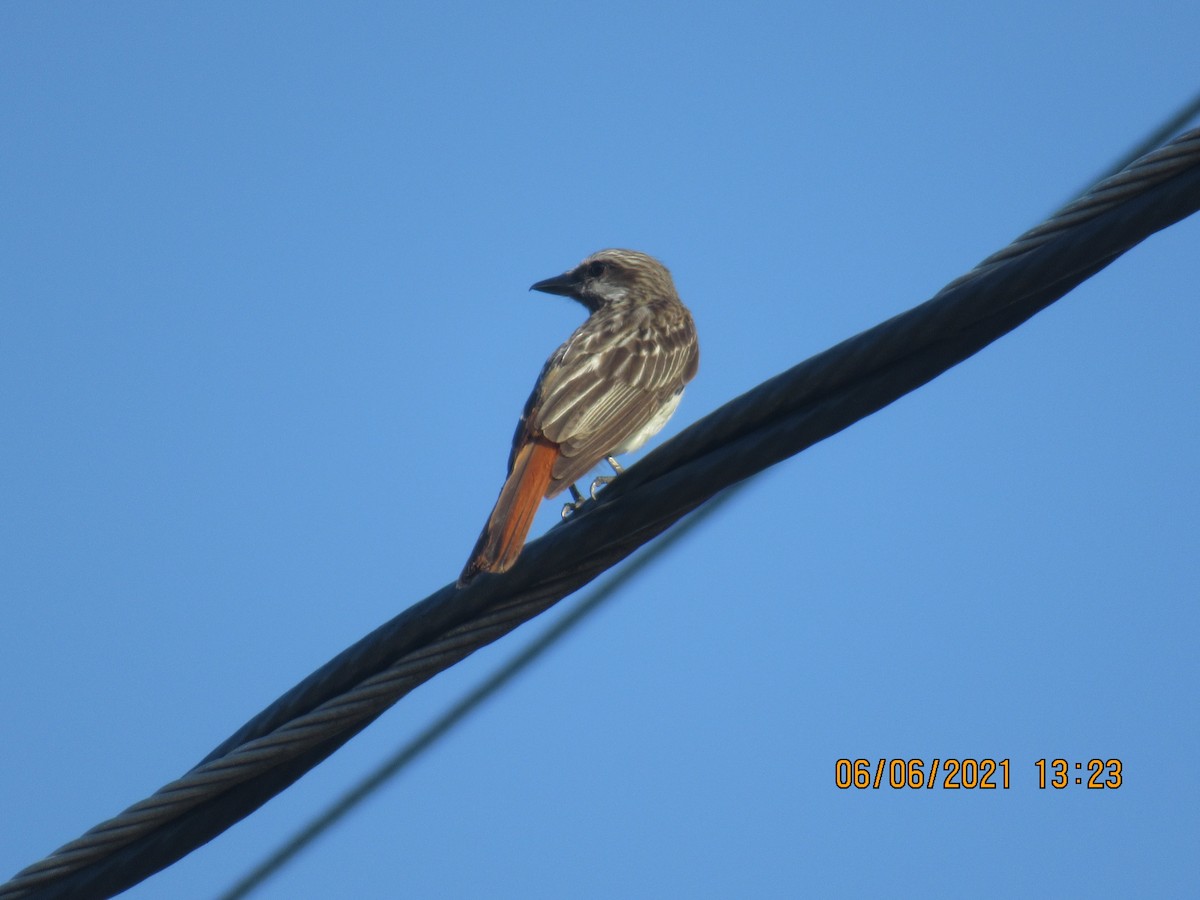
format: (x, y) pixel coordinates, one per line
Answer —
(777, 419)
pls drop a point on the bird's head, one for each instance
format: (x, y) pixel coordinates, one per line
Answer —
(612, 277)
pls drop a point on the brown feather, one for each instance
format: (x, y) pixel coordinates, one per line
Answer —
(504, 535)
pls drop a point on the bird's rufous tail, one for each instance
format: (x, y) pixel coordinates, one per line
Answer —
(504, 534)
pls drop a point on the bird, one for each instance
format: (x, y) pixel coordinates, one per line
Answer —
(609, 388)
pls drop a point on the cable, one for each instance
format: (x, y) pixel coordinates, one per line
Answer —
(777, 419)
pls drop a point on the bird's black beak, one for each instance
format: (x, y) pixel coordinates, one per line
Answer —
(564, 285)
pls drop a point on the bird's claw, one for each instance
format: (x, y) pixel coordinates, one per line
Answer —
(577, 500)
(599, 481)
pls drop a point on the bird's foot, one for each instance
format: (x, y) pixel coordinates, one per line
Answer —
(577, 501)
(602, 480)
(598, 482)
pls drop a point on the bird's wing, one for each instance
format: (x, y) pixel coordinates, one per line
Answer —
(605, 384)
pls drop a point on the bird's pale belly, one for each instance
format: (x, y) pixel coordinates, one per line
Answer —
(651, 428)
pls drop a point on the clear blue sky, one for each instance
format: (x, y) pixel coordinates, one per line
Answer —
(265, 333)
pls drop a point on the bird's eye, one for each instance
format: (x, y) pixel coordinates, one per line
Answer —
(596, 269)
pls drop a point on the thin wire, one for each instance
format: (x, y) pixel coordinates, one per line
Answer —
(427, 738)
(441, 726)
(1167, 129)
